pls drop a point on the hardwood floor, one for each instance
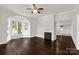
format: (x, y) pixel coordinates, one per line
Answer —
(65, 45)
(37, 46)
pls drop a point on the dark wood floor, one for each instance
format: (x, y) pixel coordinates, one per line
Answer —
(37, 46)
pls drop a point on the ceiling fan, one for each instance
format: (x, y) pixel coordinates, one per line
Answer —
(35, 8)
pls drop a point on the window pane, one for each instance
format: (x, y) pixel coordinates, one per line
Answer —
(14, 24)
(19, 28)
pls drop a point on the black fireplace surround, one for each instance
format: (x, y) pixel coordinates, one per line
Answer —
(47, 36)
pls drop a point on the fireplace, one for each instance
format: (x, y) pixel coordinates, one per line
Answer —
(47, 36)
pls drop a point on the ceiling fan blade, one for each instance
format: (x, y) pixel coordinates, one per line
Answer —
(29, 8)
(38, 11)
(40, 8)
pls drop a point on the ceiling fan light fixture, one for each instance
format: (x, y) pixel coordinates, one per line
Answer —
(35, 11)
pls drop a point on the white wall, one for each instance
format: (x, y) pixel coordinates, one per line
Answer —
(77, 40)
(76, 31)
(45, 24)
(3, 23)
(4, 15)
(33, 26)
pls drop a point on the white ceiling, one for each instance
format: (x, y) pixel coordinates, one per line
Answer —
(63, 12)
(48, 8)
